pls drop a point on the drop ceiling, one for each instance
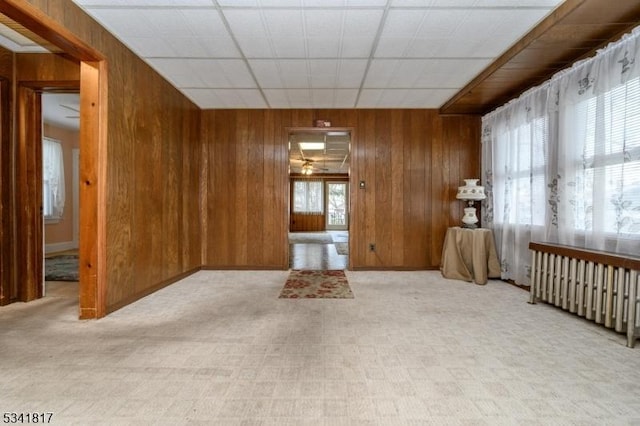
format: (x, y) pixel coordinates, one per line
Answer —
(329, 156)
(319, 53)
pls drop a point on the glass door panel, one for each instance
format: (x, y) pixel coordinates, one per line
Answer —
(337, 205)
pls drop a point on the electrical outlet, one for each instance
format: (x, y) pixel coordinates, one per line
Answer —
(372, 247)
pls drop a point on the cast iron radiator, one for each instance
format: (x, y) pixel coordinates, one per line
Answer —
(598, 286)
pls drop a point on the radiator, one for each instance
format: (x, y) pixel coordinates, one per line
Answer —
(601, 287)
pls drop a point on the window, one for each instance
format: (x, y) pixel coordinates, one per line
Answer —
(611, 160)
(308, 196)
(524, 172)
(52, 179)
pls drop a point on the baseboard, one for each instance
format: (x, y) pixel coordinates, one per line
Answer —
(148, 291)
(56, 247)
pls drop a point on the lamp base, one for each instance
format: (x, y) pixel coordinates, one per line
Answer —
(470, 219)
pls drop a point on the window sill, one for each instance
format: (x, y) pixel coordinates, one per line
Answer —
(51, 220)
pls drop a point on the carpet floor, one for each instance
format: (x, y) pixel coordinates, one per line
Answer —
(412, 348)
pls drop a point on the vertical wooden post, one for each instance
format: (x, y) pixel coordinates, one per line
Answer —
(93, 159)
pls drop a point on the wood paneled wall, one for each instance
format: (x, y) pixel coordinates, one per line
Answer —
(411, 161)
(153, 167)
(8, 283)
(307, 222)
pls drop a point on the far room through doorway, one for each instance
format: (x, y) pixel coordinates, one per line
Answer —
(319, 198)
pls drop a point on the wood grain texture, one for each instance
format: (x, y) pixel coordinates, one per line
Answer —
(8, 283)
(28, 186)
(148, 175)
(307, 222)
(412, 162)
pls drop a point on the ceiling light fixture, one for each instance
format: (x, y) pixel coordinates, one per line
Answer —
(311, 146)
(307, 168)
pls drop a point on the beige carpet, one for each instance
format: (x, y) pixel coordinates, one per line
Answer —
(220, 348)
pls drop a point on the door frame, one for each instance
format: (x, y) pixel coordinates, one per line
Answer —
(288, 131)
(93, 159)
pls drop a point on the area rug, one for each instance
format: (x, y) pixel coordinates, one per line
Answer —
(61, 268)
(312, 284)
(310, 238)
(342, 248)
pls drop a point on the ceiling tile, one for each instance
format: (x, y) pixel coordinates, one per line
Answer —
(422, 73)
(350, 73)
(245, 22)
(284, 22)
(215, 73)
(314, 98)
(324, 47)
(343, 3)
(125, 23)
(404, 98)
(256, 47)
(201, 47)
(323, 22)
(280, 3)
(315, 53)
(286, 73)
(155, 3)
(226, 98)
(288, 47)
(476, 3)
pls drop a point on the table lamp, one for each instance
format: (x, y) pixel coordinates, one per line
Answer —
(470, 192)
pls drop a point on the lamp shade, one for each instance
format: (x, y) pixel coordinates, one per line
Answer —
(471, 190)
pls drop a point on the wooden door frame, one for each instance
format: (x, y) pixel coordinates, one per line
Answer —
(8, 292)
(93, 160)
(352, 135)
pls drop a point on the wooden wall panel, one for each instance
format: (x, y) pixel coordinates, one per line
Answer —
(8, 288)
(153, 167)
(412, 162)
(306, 222)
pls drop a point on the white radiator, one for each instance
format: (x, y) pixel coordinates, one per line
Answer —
(601, 287)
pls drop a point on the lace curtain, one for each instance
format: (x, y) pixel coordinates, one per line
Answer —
(52, 178)
(561, 163)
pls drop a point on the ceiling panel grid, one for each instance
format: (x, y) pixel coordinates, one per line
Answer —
(319, 53)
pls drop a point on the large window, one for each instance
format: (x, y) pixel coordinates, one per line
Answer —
(308, 196)
(562, 162)
(611, 157)
(52, 179)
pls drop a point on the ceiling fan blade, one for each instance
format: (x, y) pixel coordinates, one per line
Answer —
(70, 107)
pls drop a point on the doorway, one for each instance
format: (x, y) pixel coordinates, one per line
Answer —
(60, 177)
(26, 248)
(319, 198)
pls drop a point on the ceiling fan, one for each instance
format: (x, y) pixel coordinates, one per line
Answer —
(308, 166)
(74, 109)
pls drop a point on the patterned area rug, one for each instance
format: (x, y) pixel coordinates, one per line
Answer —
(61, 268)
(342, 248)
(307, 284)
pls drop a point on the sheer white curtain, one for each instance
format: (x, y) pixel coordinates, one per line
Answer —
(308, 196)
(562, 162)
(52, 178)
